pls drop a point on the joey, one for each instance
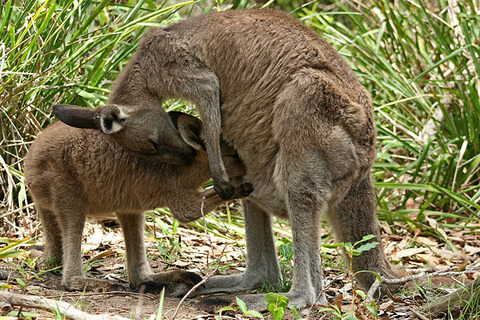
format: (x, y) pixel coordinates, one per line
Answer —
(73, 173)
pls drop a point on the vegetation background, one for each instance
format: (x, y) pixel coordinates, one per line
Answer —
(420, 59)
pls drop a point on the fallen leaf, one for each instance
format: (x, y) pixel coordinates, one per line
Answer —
(407, 253)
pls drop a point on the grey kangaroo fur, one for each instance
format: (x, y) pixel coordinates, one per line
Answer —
(300, 121)
(73, 173)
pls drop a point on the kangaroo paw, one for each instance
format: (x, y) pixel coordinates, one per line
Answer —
(177, 276)
(176, 283)
(246, 189)
(224, 189)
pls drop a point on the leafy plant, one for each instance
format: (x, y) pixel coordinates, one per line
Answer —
(242, 307)
(356, 249)
(10, 250)
(277, 305)
(360, 300)
(337, 313)
(285, 251)
(285, 258)
(27, 268)
(168, 242)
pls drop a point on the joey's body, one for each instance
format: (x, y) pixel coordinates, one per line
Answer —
(73, 173)
(297, 116)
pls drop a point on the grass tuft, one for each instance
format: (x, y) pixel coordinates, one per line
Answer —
(420, 61)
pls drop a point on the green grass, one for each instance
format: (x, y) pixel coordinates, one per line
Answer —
(422, 66)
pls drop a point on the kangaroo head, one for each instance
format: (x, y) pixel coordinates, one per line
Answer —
(172, 137)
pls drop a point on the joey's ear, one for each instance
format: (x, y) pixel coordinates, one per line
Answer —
(75, 116)
(174, 115)
(191, 130)
(110, 119)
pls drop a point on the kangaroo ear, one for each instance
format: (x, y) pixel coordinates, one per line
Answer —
(174, 115)
(110, 119)
(75, 116)
(191, 130)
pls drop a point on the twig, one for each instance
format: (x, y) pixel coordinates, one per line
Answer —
(210, 274)
(107, 293)
(324, 289)
(456, 300)
(419, 315)
(5, 306)
(193, 289)
(68, 310)
(397, 281)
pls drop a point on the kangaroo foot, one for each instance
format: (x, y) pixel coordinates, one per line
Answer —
(90, 284)
(176, 283)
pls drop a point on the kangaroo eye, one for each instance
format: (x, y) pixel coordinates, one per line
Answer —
(154, 145)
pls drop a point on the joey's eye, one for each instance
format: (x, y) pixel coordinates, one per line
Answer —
(154, 145)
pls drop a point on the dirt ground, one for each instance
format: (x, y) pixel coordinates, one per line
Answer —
(196, 252)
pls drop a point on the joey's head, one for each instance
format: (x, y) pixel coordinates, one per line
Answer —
(142, 131)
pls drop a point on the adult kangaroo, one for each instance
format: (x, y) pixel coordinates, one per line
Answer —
(300, 121)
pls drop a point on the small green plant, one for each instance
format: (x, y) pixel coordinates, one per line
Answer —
(159, 315)
(169, 243)
(354, 250)
(242, 306)
(285, 258)
(221, 267)
(364, 307)
(277, 305)
(337, 313)
(286, 266)
(91, 266)
(27, 269)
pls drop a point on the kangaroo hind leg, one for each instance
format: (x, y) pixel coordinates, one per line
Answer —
(262, 263)
(52, 233)
(355, 217)
(176, 282)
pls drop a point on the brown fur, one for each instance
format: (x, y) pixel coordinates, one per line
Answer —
(299, 119)
(73, 173)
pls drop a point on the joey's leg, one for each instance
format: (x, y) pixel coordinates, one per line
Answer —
(53, 236)
(133, 226)
(176, 282)
(72, 220)
(262, 263)
(352, 219)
